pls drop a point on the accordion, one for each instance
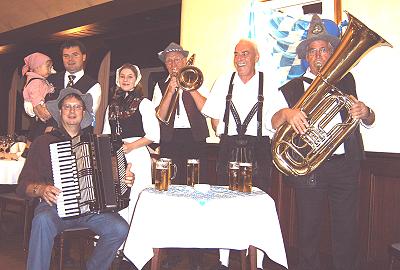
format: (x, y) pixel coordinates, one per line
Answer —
(90, 171)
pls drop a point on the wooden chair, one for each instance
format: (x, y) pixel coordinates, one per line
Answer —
(26, 212)
(394, 254)
(84, 235)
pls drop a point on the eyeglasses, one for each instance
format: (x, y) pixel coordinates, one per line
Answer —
(69, 107)
(175, 61)
(322, 50)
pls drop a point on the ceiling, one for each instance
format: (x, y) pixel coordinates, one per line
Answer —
(34, 22)
(19, 13)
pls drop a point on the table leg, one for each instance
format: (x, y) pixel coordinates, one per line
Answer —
(155, 261)
(253, 257)
(243, 259)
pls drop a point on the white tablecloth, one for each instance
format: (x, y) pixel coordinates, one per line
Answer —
(9, 171)
(220, 218)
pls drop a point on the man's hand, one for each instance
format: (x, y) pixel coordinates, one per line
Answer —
(173, 85)
(48, 193)
(42, 112)
(297, 119)
(130, 176)
(359, 110)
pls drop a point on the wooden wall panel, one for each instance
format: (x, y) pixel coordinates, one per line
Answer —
(379, 212)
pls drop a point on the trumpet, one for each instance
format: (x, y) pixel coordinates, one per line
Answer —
(189, 78)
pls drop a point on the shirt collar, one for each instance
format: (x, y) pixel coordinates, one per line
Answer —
(237, 79)
(78, 74)
(308, 74)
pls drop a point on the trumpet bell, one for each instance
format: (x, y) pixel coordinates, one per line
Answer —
(190, 78)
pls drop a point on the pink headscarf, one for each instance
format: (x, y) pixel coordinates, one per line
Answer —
(33, 61)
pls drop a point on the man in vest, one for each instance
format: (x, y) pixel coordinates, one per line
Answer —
(240, 105)
(337, 177)
(74, 55)
(185, 135)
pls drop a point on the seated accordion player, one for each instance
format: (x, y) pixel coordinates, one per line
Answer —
(90, 172)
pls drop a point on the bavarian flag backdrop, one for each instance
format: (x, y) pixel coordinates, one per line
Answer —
(277, 34)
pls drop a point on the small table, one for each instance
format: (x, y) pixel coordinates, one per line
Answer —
(185, 218)
(10, 170)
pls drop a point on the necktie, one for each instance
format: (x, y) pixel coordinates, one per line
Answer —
(71, 80)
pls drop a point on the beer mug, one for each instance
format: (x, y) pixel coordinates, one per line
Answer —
(233, 175)
(160, 175)
(245, 177)
(170, 166)
(193, 172)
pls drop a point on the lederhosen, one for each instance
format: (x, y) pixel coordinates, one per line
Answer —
(245, 148)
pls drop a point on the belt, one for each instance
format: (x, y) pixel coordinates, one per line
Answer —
(334, 157)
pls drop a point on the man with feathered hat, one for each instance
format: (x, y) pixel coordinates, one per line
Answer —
(336, 179)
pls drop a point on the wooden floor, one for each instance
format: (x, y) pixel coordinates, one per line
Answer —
(13, 257)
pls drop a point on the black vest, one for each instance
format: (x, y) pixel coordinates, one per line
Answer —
(129, 121)
(196, 118)
(83, 84)
(353, 144)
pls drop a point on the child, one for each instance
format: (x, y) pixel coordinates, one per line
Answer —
(36, 69)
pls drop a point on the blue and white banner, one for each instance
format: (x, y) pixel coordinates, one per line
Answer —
(277, 35)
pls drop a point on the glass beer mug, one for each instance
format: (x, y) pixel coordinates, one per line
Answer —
(193, 172)
(170, 166)
(245, 177)
(162, 174)
(233, 175)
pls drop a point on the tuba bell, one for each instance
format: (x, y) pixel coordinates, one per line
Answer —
(189, 78)
(300, 154)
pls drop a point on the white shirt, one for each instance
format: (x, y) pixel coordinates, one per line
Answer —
(181, 120)
(151, 126)
(244, 96)
(94, 91)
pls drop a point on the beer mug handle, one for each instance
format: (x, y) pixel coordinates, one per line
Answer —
(175, 171)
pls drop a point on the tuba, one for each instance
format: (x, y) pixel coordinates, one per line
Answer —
(189, 78)
(300, 154)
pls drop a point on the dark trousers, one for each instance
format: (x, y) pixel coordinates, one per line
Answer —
(181, 148)
(336, 180)
(259, 154)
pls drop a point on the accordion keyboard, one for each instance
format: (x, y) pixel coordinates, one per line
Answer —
(65, 178)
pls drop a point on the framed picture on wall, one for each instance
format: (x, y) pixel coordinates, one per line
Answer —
(331, 9)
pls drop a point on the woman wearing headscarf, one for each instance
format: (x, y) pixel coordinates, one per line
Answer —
(132, 116)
